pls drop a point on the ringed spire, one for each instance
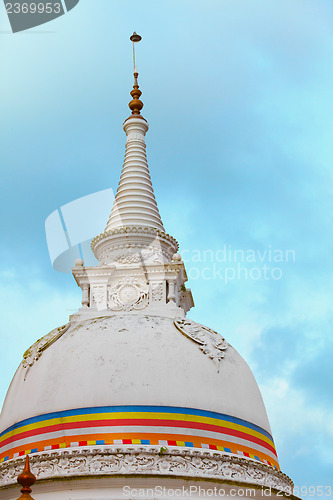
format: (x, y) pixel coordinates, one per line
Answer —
(135, 203)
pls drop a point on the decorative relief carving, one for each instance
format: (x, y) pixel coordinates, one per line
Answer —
(98, 295)
(210, 342)
(150, 253)
(128, 294)
(146, 461)
(36, 350)
(157, 291)
(117, 254)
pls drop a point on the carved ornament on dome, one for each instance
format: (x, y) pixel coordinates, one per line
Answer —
(125, 460)
(36, 350)
(128, 294)
(210, 342)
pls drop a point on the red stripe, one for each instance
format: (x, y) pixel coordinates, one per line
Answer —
(140, 422)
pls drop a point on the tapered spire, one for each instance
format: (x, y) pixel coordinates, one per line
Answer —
(26, 479)
(135, 203)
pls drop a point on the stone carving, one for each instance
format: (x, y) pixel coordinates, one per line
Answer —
(106, 460)
(36, 350)
(98, 296)
(128, 294)
(210, 342)
(157, 290)
(153, 253)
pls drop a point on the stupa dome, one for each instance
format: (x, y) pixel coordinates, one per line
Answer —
(140, 377)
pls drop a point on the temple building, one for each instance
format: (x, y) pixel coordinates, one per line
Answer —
(131, 398)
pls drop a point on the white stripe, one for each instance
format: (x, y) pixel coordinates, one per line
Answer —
(67, 434)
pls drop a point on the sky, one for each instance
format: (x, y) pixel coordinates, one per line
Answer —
(238, 95)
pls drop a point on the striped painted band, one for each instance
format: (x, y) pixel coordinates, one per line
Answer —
(172, 426)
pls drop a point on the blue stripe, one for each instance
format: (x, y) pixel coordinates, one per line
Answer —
(136, 409)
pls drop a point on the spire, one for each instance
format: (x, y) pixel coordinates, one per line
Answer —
(135, 203)
(26, 479)
(139, 268)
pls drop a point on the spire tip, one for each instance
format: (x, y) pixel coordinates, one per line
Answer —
(135, 105)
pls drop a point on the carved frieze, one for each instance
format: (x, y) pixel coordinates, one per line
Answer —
(137, 254)
(71, 463)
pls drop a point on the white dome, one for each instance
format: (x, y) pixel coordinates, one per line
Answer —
(133, 378)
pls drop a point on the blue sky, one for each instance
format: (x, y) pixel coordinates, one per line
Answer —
(238, 95)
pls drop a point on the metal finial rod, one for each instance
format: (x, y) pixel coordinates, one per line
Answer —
(135, 38)
(135, 105)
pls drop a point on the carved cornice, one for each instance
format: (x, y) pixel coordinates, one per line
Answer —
(149, 461)
(135, 230)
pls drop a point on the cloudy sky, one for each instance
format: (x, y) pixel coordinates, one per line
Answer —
(238, 95)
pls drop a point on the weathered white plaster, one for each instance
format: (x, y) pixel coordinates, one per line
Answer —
(132, 359)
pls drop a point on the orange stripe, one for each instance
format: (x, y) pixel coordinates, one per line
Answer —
(153, 438)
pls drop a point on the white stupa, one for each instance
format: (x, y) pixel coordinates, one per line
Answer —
(130, 393)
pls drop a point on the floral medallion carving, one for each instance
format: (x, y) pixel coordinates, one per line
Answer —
(36, 350)
(128, 294)
(210, 342)
(149, 461)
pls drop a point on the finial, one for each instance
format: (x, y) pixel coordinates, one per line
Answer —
(135, 105)
(26, 479)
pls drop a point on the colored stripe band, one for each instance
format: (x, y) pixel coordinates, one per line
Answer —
(138, 425)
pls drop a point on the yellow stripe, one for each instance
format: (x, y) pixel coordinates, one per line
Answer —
(134, 416)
